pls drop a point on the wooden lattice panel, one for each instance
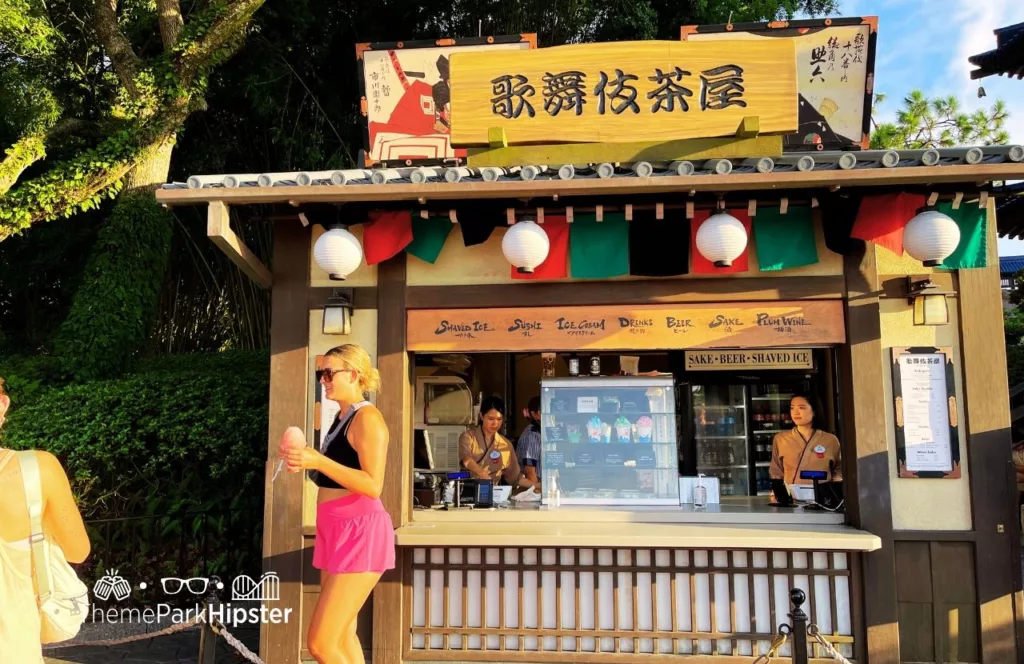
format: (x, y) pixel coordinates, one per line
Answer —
(594, 605)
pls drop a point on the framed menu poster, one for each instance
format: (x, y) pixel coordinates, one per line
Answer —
(927, 434)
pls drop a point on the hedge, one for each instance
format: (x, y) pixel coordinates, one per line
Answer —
(183, 432)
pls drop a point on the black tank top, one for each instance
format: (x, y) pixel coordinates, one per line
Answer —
(337, 447)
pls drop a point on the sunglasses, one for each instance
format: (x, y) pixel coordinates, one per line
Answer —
(328, 373)
(173, 586)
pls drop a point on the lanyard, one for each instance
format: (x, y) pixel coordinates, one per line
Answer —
(807, 445)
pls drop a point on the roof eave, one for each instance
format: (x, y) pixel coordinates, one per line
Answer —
(662, 184)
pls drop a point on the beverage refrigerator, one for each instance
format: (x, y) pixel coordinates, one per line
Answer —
(729, 429)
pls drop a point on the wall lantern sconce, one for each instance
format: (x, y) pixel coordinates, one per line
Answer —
(928, 300)
(338, 312)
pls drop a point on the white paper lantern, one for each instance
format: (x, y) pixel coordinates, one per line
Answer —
(931, 237)
(338, 253)
(721, 239)
(525, 246)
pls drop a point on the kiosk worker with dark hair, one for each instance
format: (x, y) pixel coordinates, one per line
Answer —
(486, 453)
(355, 540)
(807, 446)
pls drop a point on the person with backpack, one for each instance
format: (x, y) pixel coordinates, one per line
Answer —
(35, 549)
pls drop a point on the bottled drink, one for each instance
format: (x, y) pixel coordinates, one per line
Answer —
(700, 494)
(574, 365)
(595, 365)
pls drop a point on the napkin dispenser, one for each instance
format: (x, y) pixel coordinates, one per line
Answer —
(687, 484)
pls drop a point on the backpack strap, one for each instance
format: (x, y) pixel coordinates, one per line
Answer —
(5, 456)
(34, 497)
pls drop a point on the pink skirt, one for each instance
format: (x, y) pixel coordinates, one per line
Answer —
(354, 534)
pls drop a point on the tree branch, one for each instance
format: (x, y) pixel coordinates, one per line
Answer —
(171, 23)
(206, 51)
(118, 48)
(82, 182)
(27, 151)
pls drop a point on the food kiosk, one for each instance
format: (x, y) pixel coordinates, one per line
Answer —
(816, 280)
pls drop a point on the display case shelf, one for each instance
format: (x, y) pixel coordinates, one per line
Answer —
(621, 456)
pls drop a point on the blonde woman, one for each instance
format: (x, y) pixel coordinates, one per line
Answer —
(62, 524)
(355, 539)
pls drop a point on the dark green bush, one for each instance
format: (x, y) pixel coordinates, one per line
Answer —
(166, 463)
(1015, 365)
(182, 433)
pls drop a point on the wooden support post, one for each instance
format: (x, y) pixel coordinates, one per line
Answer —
(218, 228)
(993, 485)
(750, 127)
(390, 615)
(496, 137)
(867, 471)
(289, 383)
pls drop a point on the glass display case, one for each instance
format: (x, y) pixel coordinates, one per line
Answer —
(610, 441)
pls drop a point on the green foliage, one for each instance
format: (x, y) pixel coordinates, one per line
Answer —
(169, 459)
(939, 123)
(109, 322)
(186, 433)
(28, 377)
(25, 29)
(1015, 364)
(1013, 328)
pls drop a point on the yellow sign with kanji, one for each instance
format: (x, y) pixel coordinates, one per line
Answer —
(624, 91)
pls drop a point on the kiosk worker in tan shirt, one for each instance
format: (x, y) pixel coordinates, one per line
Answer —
(806, 446)
(486, 453)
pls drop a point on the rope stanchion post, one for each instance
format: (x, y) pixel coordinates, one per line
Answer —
(799, 620)
(208, 637)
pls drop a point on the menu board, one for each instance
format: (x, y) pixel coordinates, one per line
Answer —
(731, 325)
(927, 443)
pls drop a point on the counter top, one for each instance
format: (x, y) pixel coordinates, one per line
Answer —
(550, 534)
(737, 510)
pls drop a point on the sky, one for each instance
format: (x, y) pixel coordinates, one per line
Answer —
(925, 44)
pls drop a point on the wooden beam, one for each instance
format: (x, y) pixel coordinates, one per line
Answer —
(993, 483)
(218, 229)
(596, 153)
(394, 401)
(934, 536)
(289, 381)
(669, 291)
(364, 297)
(869, 500)
(868, 177)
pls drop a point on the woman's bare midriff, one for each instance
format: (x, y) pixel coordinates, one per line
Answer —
(325, 494)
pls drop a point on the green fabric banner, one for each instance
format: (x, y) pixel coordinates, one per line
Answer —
(599, 249)
(428, 237)
(973, 248)
(784, 240)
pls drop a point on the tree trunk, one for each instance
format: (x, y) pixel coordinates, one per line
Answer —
(113, 312)
(150, 174)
